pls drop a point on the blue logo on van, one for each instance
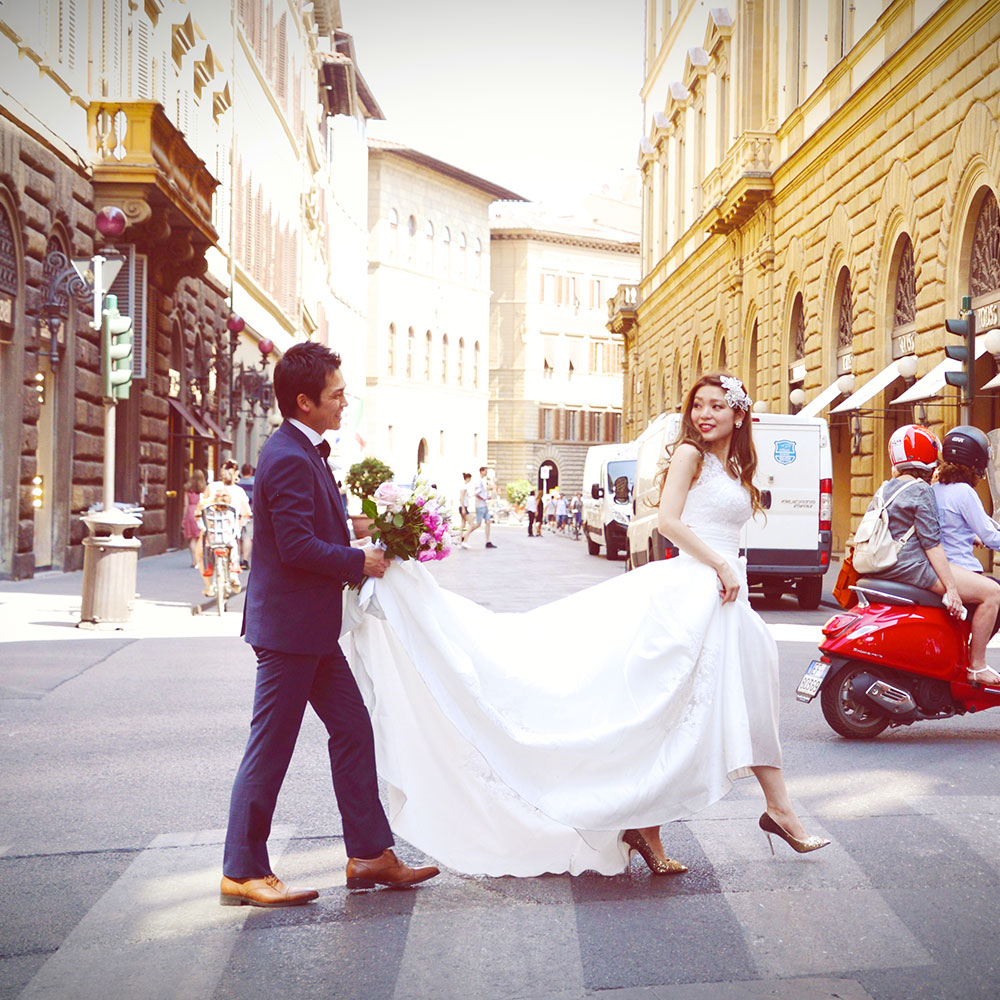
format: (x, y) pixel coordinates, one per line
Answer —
(784, 452)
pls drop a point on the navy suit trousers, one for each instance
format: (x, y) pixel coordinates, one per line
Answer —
(286, 682)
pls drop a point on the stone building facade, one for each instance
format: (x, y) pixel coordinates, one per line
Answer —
(820, 192)
(555, 368)
(147, 107)
(428, 383)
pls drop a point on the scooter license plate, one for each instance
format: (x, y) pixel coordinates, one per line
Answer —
(812, 680)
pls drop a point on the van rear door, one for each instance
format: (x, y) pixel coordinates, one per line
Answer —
(788, 468)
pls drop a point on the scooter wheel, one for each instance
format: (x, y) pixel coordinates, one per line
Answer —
(846, 716)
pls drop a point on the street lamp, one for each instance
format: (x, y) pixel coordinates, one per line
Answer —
(251, 386)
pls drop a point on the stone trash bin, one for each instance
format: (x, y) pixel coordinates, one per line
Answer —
(110, 560)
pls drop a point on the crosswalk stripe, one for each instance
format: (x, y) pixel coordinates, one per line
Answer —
(521, 948)
(801, 915)
(158, 932)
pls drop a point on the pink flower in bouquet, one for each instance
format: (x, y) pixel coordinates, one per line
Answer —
(426, 555)
(391, 496)
(444, 553)
(426, 538)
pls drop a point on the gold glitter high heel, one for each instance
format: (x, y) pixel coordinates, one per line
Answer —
(657, 866)
(803, 846)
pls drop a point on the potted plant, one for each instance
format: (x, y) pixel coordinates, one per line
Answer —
(363, 479)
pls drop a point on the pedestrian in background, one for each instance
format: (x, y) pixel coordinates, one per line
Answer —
(550, 511)
(576, 512)
(529, 506)
(463, 509)
(190, 527)
(562, 513)
(539, 512)
(245, 483)
(482, 498)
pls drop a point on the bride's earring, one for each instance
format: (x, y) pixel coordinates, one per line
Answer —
(739, 424)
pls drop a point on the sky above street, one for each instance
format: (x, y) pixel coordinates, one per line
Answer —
(539, 96)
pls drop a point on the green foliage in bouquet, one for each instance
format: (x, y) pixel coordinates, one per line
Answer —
(364, 478)
(517, 491)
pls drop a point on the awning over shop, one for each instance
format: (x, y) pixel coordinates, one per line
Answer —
(216, 430)
(933, 383)
(871, 388)
(190, 419)
(814, 407)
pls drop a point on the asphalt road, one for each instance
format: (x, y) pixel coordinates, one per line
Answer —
(117, 752)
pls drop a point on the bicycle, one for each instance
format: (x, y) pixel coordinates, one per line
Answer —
(220, 540)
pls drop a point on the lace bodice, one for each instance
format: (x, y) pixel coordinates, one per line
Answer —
(717, 507)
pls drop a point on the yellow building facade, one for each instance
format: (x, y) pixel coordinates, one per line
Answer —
(820, 191)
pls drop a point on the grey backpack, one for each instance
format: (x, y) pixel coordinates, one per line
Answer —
(875, 550)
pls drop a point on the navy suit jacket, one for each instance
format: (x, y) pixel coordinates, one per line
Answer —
(301, 550)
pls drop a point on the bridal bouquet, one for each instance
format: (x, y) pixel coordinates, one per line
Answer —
(409, 523)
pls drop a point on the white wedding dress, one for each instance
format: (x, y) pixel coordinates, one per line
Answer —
(517, 744)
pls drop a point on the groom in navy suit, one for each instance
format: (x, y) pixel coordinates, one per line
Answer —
(292, 618)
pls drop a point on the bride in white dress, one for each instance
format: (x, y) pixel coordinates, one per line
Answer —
(517, 744)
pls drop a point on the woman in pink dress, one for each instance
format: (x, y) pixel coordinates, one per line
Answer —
(193, 490)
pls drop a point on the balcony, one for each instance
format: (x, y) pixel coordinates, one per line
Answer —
(734, 189)
(143, 164)
(622, 310)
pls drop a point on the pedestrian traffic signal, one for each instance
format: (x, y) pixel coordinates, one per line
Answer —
(116, 350)
(966, 328)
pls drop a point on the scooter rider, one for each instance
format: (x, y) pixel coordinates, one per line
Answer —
(965, 454)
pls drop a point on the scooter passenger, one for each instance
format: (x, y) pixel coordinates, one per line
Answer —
(965, 454)
(914, 453)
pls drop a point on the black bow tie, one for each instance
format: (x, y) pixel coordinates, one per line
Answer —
(324, 449)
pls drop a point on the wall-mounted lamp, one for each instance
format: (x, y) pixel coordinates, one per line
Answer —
(846, 384)
(797, 399)
(992, 342)
(907, 368)
(762, 406)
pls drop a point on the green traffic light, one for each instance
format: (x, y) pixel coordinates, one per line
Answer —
(116, 351)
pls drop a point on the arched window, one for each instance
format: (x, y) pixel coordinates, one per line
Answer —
(410, 345)
(393, 218)
(475, 365)
(984, 269)
(722, 355)
(429, 229)
(478, 246)
(752, 363)
(844, 318)
(411, 226)
(444, 358)
(392, 348)
(797, 346)
(446, 235)
(427, 358)
(904, 312)
(461, 241)
(461, 360)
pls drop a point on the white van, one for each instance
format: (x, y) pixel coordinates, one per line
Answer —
(790, 549)
(608, 479)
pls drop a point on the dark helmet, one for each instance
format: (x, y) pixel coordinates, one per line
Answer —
(967, 446)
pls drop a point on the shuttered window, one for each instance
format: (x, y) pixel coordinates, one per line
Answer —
(130, 287)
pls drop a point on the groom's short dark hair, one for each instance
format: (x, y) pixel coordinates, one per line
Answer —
(302, 369)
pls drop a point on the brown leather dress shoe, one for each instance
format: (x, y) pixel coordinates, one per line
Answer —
(267, 891)
(386, 869)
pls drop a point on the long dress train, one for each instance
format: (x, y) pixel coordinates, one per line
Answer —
(524, 743)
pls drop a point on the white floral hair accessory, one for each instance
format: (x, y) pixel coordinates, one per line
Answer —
(736, 395)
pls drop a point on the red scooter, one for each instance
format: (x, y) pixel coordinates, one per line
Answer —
(895, 658)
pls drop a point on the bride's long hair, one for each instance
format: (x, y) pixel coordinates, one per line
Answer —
(741, 462)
